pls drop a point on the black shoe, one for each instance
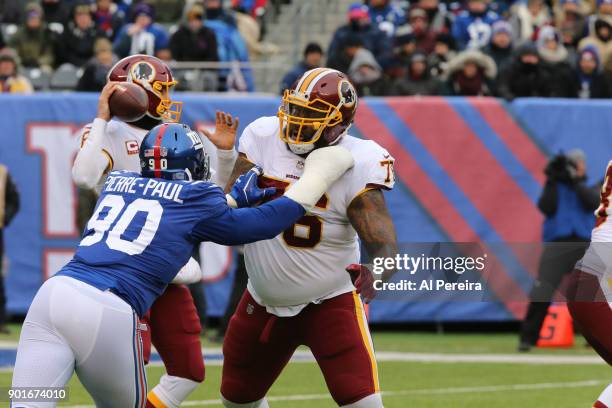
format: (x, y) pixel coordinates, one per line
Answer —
(524, 347)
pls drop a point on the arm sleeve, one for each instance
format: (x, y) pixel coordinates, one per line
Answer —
(92, 161)
(245, 225)
(225, 165)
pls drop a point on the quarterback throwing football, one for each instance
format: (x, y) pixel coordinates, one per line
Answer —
(299, 291)
(111, 144)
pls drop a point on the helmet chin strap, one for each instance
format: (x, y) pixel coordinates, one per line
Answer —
(301, 148)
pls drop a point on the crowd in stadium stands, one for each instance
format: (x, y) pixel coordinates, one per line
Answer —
(73, 43)
(547, 48)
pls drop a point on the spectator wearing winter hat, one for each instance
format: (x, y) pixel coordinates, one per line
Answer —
(360, 25)
(10, 80)
(94, 72)
(604, 10)
(444, 51)
(418, 80)
(556, 59)
(142, 35)
(34, 41)
(549, 45)
(108, 17)
(471, 28)
(471, 73)
(386, 15)
(528, 18)
(601, 38)
(570, 21)
(76, 42)
(501, 46)
(342, 59)
(404, 44)
(525, 76)
(192, 41)
(425, 38)
(366, 74)
(589, 82)
(313, 56)
(231, 48)
(439, 16)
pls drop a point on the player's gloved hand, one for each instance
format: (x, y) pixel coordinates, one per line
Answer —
(245, 191)
(363, 280)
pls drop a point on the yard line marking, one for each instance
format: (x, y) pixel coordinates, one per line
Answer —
(214, 357)
(488, 358)
(429, 391)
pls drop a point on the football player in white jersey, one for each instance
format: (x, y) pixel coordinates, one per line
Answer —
(299, 291)
(589, 291)
(110, 144)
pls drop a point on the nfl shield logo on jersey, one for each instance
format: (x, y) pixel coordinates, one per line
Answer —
(250, 309)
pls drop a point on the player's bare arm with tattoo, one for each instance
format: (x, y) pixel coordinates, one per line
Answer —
(369, 216)
(241, 166)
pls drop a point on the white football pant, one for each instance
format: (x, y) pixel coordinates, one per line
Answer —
(73, 327)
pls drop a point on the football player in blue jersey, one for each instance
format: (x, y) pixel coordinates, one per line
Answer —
(143, 230)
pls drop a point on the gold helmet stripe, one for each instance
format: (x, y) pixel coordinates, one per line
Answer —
(317, 78)
(307, 79)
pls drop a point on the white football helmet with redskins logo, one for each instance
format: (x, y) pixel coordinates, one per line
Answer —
(155, 77)
(317, 111)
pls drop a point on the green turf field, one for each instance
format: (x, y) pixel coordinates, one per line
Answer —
(432, 383)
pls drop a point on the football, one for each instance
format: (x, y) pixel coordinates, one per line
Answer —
(129, 102)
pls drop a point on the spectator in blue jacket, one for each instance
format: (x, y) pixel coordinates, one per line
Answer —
(568, 203)
(359, 25)
(472, 27)
(313, 56)
(231, 47)
(143, 35)
(386, 16)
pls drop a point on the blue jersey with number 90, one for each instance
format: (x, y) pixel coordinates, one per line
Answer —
(143, 231)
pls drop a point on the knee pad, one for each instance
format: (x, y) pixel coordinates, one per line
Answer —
(171, 391)
(262, 403)
(371, 401)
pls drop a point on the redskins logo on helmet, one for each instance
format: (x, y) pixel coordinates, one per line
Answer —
(317, 111)
(156, 78)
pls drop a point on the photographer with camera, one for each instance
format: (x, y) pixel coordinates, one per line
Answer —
(568, 205)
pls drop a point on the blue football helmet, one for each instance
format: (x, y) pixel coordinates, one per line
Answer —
(173, 151)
